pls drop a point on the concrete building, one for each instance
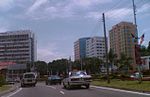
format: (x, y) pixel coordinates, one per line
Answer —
(17, 46)
(80, 48)
(145, 62)
(95, 47)
(121, 40)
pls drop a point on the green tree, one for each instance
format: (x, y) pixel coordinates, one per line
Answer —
(112, 57)
(58, 66)
(41, 67)
(124, 63)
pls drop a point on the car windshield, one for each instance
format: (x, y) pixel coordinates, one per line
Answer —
(54, 77)
(29, 76)
(79, 73)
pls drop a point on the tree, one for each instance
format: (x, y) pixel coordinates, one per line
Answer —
(58, 66)
(112, 57)
(41, 67)
(92, 65)
(125, 63)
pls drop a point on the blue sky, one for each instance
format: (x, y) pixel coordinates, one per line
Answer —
(58, 23)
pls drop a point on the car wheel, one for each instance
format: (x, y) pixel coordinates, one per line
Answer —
(68, 86)
(87, 86)
(22, 85)
(64, 85)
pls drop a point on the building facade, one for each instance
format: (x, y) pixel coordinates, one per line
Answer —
(145, 62)
(121, 39)
(95, 47)
(80, 48)
(17, 46)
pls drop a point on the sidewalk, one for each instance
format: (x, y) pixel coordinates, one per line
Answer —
(13, 88)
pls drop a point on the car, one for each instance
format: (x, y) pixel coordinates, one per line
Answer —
(28, 78)
(10, 81)
(77, 78)
(53, 79)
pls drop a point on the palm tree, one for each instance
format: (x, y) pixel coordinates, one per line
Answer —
(125, 62)
(112, 57)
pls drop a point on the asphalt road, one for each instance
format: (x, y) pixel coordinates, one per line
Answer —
(42, 90)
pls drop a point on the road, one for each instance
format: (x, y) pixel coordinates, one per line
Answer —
(41, 90)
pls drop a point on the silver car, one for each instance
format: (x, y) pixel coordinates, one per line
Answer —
(77, 78)
(29, 78)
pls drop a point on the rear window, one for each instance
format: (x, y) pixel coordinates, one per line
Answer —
(29, 76)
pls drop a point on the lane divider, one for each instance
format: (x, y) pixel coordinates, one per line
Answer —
(62, 92)
(13, 93)
(119, 90)
(52, 87)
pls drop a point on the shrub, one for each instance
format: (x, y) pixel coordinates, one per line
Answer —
(2, 80)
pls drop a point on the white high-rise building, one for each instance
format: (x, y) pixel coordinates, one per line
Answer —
(17, 46)
(95, 47)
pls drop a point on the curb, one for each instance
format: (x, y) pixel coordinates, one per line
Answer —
(13, 88)
(122, 90)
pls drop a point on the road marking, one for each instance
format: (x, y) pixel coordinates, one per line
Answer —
(13, 93)
(52, 87)
(119, 90)
(62, 92)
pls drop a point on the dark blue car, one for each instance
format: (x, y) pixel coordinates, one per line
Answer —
(53, 79)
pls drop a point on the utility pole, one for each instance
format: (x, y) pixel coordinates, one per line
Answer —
(106, 50)
(137, 46)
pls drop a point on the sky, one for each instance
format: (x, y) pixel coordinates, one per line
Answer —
(57, 24)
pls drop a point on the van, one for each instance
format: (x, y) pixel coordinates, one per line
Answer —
(29, 78)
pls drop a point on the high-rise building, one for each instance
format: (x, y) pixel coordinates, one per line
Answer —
(95, 47)
(89, 47)
(17, 46)
(121, 40)
(80, 48)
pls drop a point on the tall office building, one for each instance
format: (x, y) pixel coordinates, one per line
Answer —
(121, 40)
(80, 48)
(89, 47)
(17, 46)
(95, 47)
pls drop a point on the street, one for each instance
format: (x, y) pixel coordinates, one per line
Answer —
(41, 90)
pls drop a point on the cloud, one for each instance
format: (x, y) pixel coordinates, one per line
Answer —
(118, 13)
(144, 8)
(37, 4)
(5, 5)
(49, 53)
(44, 9)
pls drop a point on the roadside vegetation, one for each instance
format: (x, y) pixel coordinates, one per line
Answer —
(128, 85)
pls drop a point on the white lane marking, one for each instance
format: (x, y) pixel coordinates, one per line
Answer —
(13, 93)
(112, 89)
(62, 92)
(52, 87)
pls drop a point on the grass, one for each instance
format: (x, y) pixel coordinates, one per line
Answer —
(128, 85)
(4, 88)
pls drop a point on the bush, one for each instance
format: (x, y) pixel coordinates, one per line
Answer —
(146, 72)
(2, 80)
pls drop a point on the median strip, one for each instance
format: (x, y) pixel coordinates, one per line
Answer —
(119, 90)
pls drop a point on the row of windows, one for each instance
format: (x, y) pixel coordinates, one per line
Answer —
(5, 48)
(13, 55)
(8, 40)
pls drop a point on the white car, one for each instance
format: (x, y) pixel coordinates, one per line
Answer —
(77, 78)
(29, 78)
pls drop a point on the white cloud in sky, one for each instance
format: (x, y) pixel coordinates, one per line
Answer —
(49, 53)
(118, 13)
(37, 4)
(5, 5)
(42, 9)
(144, 8)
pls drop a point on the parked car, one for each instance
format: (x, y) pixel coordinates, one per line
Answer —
(53, 79)
(10, 81)
(77, 78)
(28, 78)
